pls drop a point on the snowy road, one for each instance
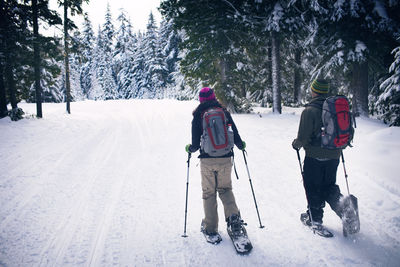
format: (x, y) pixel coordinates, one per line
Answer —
(105, 186)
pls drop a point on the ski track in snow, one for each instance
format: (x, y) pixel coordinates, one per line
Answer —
(105, 186)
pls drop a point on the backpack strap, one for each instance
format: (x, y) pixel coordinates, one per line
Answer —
(316, 140)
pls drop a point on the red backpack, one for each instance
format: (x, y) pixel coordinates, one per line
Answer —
(337, 131)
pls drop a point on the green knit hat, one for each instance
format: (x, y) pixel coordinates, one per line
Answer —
(320, 86)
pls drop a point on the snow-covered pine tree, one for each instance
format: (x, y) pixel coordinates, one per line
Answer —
(136, 68)
(72, 7)
(212, 39)
(106, 78)
(270, 23)
(126, 77)
(50, 72)
(75, 66)
(154, 84)
(107, 31)
(252, 58)
(123, 53)
(169, 41)
(98, 61)
(351, 42)
(13, 49)
(51, 91)
(275, 17)
(97, 92)
(389, 101)
(168, 51)
(297, 31)
(86, 71)
(104, 75)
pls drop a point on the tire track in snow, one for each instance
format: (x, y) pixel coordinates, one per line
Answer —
(119, 173)
(64, 233)
(18, 204)
(33, 205)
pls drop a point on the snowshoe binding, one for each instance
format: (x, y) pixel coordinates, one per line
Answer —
(317, 228)
(350, 217)
(211, 237)
(238, 234)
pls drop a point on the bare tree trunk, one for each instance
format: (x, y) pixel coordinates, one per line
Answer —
(8, 45)
(66, 59)
(297, 77)
(243, 91)
(276, 74)
(268, 67)
(3, 98)
(359, 85)
(9, 76)
(36, 59)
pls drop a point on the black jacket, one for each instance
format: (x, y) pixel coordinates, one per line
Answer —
(197, 128)
(308, 135)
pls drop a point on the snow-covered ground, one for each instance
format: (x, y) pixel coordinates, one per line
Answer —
(105, 186)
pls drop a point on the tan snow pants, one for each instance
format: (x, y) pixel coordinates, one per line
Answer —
(216, 177)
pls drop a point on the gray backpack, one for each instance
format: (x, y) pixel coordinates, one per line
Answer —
(217, 138)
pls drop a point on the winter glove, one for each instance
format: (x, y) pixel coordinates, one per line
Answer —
(242, 146)
(296, 145)
(187, 148)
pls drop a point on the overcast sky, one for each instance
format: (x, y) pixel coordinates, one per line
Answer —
(137, 10)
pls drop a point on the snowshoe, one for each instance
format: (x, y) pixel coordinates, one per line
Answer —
(238, 234)
(350, 217)
(317, 228)
(213, 238)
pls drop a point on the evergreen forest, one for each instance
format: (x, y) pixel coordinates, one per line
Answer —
(263, 52)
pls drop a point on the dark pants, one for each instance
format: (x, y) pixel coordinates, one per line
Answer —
(320, 185)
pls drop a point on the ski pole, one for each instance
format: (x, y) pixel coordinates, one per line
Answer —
(302, 175)
(345, 173)
(187, 188)
(252, 190)
(234, 165)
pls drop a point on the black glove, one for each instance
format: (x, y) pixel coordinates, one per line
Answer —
(296, 145)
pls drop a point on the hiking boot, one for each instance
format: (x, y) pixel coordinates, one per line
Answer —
(235, 225)
(317, 226)
(211, 237)
(305, 219)
(205, 231)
